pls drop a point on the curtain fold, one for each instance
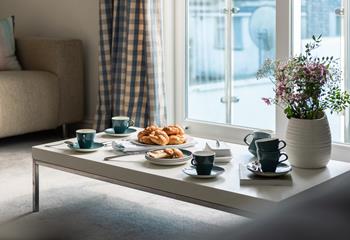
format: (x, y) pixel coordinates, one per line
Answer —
(131, 81)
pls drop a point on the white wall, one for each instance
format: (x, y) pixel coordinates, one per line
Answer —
(62, 19)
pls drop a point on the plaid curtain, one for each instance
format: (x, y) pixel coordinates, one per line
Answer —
(130, 63)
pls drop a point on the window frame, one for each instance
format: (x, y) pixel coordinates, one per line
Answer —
(285, 43)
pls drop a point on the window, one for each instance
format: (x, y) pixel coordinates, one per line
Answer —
(220, 45)
(324, 17)
(220, 71)
(220, 33)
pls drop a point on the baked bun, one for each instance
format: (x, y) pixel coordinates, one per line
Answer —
(159, 137)
(172, 134)
(144, 137)
(166, 153)
(145, 140)
(176, 139)
(174, 130)
(177, 153)
(158, 154)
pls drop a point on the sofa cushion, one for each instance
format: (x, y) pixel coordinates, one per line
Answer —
(29, 102)
(8, 60)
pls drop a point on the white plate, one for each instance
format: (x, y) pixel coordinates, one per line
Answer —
(167, 163)
(171, 161)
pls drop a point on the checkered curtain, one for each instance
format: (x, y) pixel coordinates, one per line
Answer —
(130, 63)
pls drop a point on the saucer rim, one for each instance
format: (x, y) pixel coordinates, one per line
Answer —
(270, 174)
(220, 170)
(120, 134)
(78, 149)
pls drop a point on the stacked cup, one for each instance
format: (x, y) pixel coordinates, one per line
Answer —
(269, 153)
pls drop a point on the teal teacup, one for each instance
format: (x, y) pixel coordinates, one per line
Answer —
(255, 136)
(270, 160)
(270, 144)
(85, 137)
(203, 161)
(121, 123)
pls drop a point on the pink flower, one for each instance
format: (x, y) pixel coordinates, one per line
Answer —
(266, 100)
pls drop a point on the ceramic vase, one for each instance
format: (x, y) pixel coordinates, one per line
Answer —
(309, 142)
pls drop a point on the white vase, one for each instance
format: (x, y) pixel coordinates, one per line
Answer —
(309, 142)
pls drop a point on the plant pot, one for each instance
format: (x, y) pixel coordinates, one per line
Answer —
(309, 142)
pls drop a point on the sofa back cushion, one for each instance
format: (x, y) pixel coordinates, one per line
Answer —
(8, 60)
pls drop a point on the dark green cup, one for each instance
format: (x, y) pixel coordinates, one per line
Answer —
(270, 160)
(121, 123)
(203, 161)
(86, 137)
(270, 144)
(253, 137)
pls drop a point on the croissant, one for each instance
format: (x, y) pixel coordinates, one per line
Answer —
(174, 130)
(143, 136)
(145, 140)
(166, 153)
(176, 139)
(159, 137)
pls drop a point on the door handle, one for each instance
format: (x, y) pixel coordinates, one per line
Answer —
(339, 11)
(235, 10)
(234, 99)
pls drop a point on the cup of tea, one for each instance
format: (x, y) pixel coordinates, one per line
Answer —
(252, 137)
(85, 137)
(270, 144)
(121, 123)
(203, 161)
(270, 160)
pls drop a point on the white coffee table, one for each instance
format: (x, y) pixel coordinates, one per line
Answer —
(223, 193)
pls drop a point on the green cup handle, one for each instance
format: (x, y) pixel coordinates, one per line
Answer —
(131, 122)
(284, 145)
(193, 162)
(283, 154)
(246, 138)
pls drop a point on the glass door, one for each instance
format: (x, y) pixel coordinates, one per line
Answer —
(227, 41)
(206, 60)
(253, 41)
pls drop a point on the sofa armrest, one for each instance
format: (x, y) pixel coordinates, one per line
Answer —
(64, 58)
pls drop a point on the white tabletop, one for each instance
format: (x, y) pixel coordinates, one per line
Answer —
(224, 190)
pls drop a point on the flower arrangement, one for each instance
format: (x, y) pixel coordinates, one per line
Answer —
(306, 86)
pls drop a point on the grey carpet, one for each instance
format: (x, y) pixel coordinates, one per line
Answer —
(75, 207)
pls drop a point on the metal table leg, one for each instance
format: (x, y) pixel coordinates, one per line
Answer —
(35, 186)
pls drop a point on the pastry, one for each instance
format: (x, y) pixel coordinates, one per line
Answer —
(166, 153)
(147, 131)
(159, 137)
(177, 153)
(158, 154)
(172, 134)
(145, 140)
(174, 130)
(144, 136)
(176, 139)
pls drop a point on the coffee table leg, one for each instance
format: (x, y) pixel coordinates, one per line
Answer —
(35, 186)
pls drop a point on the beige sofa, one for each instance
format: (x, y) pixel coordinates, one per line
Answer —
(48, 92)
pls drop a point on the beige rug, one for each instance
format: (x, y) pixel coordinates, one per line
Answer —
(74, 207)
